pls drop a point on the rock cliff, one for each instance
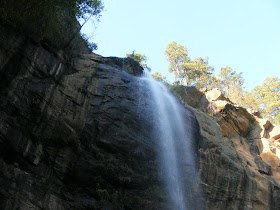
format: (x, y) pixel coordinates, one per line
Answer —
(239, 156)
(74, 135)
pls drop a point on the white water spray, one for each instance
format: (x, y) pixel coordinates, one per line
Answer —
(175, 154)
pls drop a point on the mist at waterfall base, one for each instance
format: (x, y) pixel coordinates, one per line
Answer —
(173, 135)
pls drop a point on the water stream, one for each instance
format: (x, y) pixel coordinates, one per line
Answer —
(173, 136)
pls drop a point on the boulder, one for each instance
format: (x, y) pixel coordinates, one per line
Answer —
(215, 95)
(189, 95)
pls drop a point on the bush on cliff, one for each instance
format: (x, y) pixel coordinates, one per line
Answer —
(52, 21)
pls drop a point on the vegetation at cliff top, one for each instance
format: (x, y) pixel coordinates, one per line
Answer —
(264, 98)
(53, 21)
(267, 96)
(186, 71)
(140, 58)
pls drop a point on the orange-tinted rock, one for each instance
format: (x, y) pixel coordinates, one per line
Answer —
(214, 95)
(273, 132)
(230, 167)
(265, 125)
(259, 128)
(234, 120)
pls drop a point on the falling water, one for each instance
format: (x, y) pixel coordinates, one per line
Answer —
(173, 136)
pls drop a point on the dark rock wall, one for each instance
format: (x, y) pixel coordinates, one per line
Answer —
(71, 133)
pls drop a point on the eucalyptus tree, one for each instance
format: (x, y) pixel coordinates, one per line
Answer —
(158, 76)
(186, 71)
(268, 97)
(177, 56)
(197, 72)
(232, 84)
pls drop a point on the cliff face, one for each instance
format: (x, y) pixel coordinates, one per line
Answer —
(239, 164)
(75, 135)
(72, 136)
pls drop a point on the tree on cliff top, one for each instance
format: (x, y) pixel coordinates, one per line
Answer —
(85, 8)
(176, 55)
(53, 20)
(195, 72)
(231, 83)
(158, 76)
(268, 97)
(140, 58)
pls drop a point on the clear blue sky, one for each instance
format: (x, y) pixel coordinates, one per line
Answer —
(242, 34)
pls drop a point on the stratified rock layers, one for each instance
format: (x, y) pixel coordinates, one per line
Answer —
(72, 135)
(238, 169)
(76, 135)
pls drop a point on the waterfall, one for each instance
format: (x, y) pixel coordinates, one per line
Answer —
(173, 137)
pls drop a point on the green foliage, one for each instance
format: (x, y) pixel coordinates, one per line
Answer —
(53, 20)
(276, 118)
(212, 82)
(229, 78)
(90, 45)
(158, 76)
(177, 90)
(250, 102)
(197, 72)
(268, 97)
(140, 58)
(231, 83)
(80, 44)
(177, 55)
(265, 97)
(192, 72)
(85, 8)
